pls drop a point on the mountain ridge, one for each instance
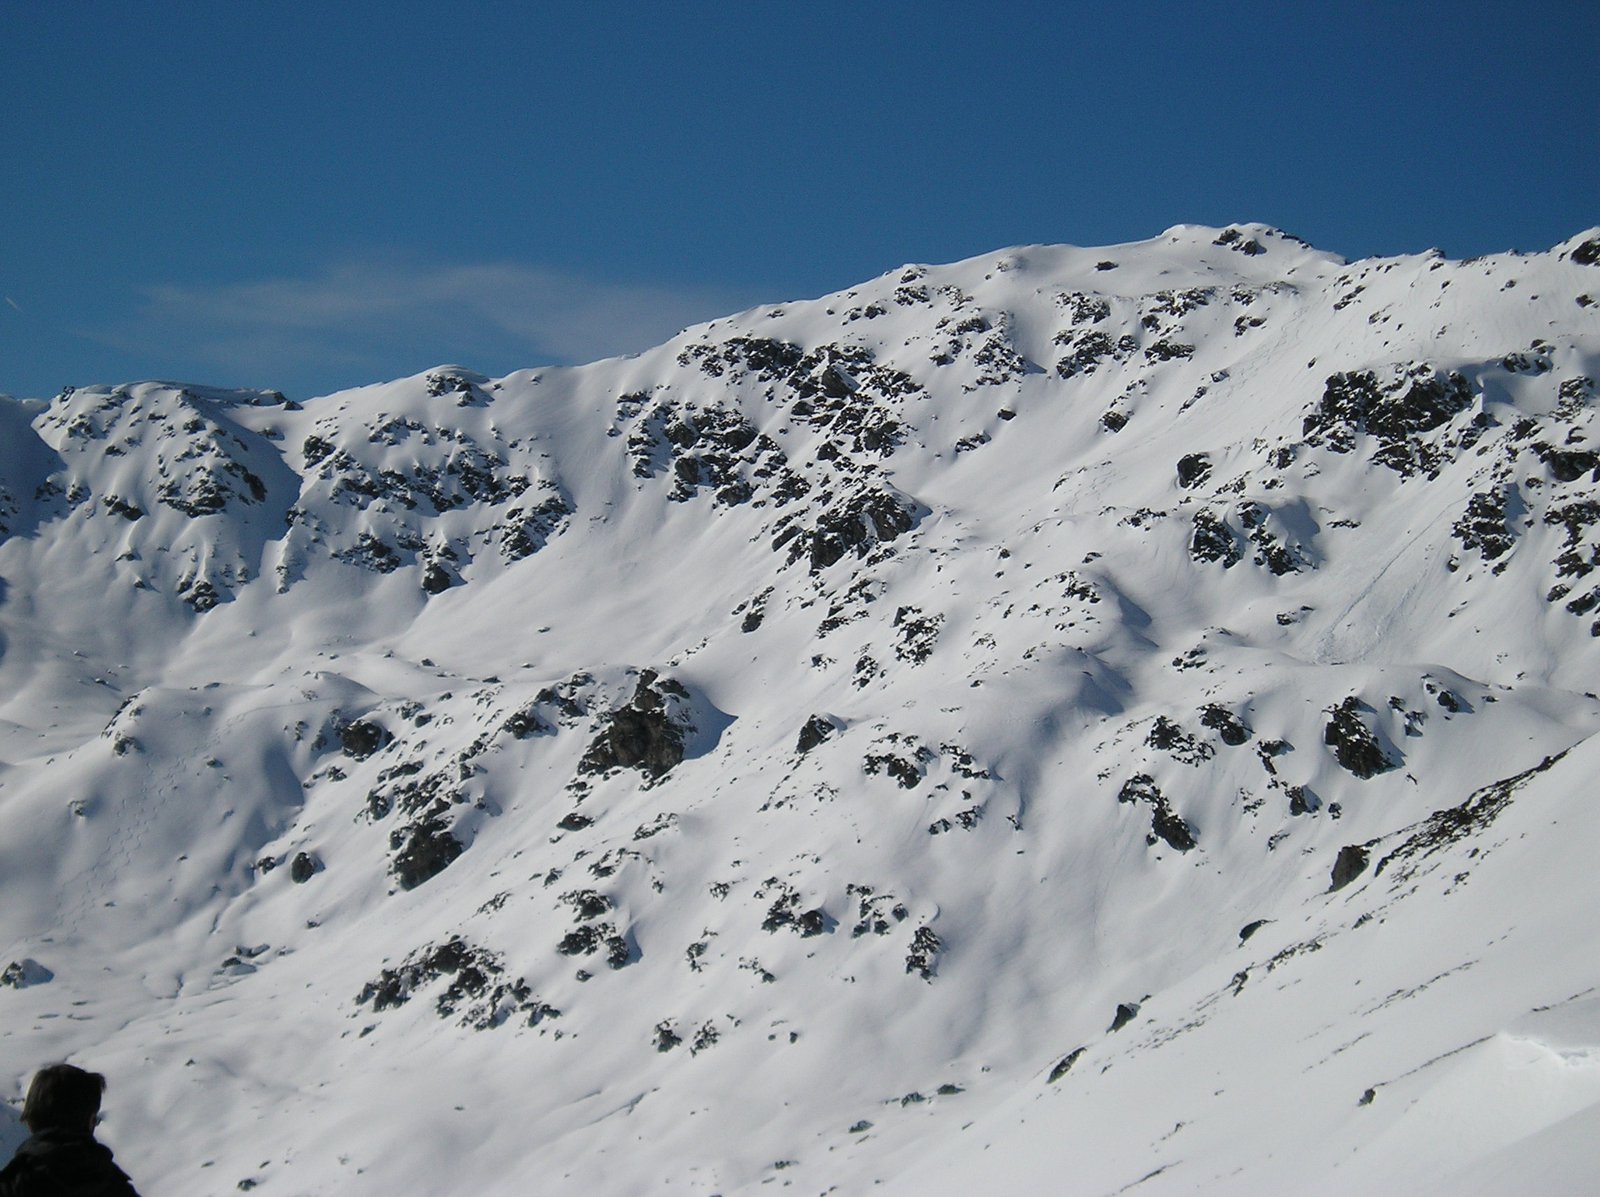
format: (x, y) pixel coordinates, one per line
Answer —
(838, 715)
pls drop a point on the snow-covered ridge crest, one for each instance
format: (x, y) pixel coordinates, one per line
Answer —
(1108, 689)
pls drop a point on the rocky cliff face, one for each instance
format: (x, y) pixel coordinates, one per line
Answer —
(801, 742)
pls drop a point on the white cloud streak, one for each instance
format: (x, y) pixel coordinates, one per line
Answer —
(392, 316)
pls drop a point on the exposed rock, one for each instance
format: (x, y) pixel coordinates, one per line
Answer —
(1269, 551)
(755, 610)
(865, 518)
(906, 772)
(527, 529)
(1566, 465)
(314, 450)
(1087, 350)
(918, 633)
(923, 958)
(476, 991)
(876, 910)
(468, 387)
(1353, 743)
(422, 850)
(587, 939)
(211, 487)
(785, 911)
(817, 729)
(20, 974)
(706, 1036)
(580, 941)
(200, 594)
(647, 734)
(361, 739)
(1233, 730)
(586, 903)
(1301, 800)
(1484, 526)
(371, 552)
(1450, 826)
(1348, 865)
(1165, 824)
(1193, 469)
(1165, 351)
(1213, 540)
(1395, 410)
(1167, 736)
(1578, 556)
(1064, 1065)
(526, 723)
(1235, 240)
(436, 579)
(1587, 253)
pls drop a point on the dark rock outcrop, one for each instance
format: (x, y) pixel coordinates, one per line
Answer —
(1193, 469)
(1165, 823)
(477, 990)
(1233, 730)
(1126, 1013)
(361, 739)
(923, 958)
(647, 734)
(1213, 540)
(1347, 866)
(1354, 745)
(1064, 1065)
(817, 729)
(422, 850)
(1394, 410)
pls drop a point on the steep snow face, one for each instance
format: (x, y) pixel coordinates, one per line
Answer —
(1117, 714)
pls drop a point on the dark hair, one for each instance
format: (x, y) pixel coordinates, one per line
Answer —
(63, 1097)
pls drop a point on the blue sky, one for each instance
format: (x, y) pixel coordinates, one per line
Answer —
(309, 196)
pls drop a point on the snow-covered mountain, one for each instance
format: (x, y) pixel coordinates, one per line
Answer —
(1075, 721)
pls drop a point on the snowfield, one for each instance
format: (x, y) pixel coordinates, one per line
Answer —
(1075, 721)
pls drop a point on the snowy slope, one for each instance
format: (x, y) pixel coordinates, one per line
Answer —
(783, 756)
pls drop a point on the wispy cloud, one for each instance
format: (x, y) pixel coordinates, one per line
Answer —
(386, 316)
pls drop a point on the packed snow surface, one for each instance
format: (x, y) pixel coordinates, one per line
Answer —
(1079, 721)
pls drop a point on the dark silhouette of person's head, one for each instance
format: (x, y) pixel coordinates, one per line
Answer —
(63, 1097)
